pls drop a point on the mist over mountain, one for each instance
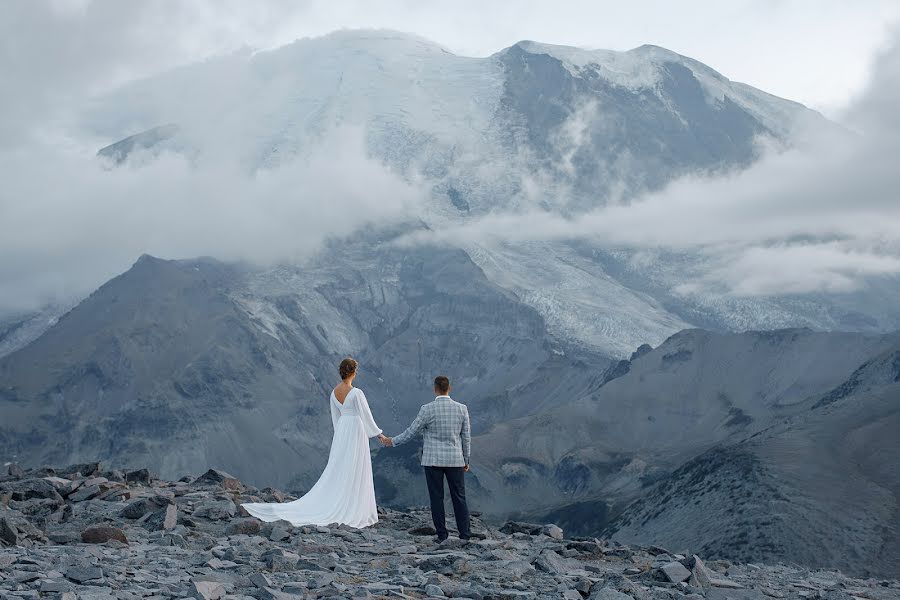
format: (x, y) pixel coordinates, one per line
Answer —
(645, 280)
(558, 171)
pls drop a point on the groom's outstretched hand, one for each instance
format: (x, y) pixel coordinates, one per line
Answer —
(388, 442)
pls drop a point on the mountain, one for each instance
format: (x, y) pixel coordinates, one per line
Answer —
(178, 363)
(757, 446)
(533, 126)
(603, 397)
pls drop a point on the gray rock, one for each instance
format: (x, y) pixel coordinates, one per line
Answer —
(215, 509)
(219, 478)
(100, 534)
(140, 507)
(700, 575)
(248, 526)
(84, 574)
(606, 593)
(206, 590)
(675, 572)
(84, 493)
(552, 531)
(162, 520)
(260, 580)
(141, 476)
(551, 562)
(434, 591)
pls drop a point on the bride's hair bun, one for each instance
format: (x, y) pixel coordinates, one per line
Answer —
(347, 368)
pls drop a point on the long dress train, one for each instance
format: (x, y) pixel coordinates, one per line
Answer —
(345, 492)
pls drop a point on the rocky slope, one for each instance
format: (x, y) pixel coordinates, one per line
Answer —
(83, 532)
(178, 363)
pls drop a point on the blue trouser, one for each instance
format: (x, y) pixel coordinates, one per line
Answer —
(456, 481)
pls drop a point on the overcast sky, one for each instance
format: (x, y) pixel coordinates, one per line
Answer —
(65, 226)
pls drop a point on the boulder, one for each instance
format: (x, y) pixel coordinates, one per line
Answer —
(218, 477)
(215, 510)
(422, 530)
(141, 476)
(248, 526)
(140, 507)
(29, 489)
(100, 534)
(206, 590)
(551, 562)
(84, 573)
(85, 493)
(164, 519)
(552, 531)
(675, 572)
(17, 530)
(511, 527)
(701, 577)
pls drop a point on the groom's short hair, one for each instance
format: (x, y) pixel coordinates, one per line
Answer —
(441, 384)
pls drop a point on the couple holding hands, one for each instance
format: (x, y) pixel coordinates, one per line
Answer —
(345, 492)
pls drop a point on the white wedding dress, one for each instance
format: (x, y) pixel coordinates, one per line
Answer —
(345, 492)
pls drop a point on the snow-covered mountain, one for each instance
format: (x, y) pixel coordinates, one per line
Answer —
(533, 126)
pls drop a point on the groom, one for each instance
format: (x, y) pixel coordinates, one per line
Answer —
(448, 446)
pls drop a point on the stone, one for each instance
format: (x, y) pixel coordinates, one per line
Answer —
(84, 574)
(700, 575)
(162, 520)
(140, 507)
(218, 477)
(215, 510)
(55, 585)
(434, 591)
(273, 594)
(279, 534)
(725, 583)
(608, 594)
(552, 531)
(511, 527)
(84, 493)
(260, 580)
(206, 590)
(551, 562)
(422, 530)
(248, 526)
(100, 534)
(17, 530)
(280, 560)
(141, 476)
(675, 572)
(30, 489)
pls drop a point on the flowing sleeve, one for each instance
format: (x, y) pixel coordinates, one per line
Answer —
(366, 415)
(335, 413)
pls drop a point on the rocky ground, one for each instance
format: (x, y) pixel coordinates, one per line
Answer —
(81, 532)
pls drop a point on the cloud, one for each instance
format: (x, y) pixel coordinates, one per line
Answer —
(822, 217)
(67, 223)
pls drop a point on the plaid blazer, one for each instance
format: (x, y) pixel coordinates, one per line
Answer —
(446, 431)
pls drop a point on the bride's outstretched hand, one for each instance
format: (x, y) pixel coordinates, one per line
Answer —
(385, 440)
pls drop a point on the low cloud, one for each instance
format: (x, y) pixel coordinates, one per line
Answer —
(69, 223)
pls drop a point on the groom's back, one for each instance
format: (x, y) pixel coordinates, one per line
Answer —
(447, 423)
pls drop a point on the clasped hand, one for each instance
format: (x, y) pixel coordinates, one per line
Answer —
(385, 440)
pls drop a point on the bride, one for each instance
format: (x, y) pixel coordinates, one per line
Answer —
(345, 492)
